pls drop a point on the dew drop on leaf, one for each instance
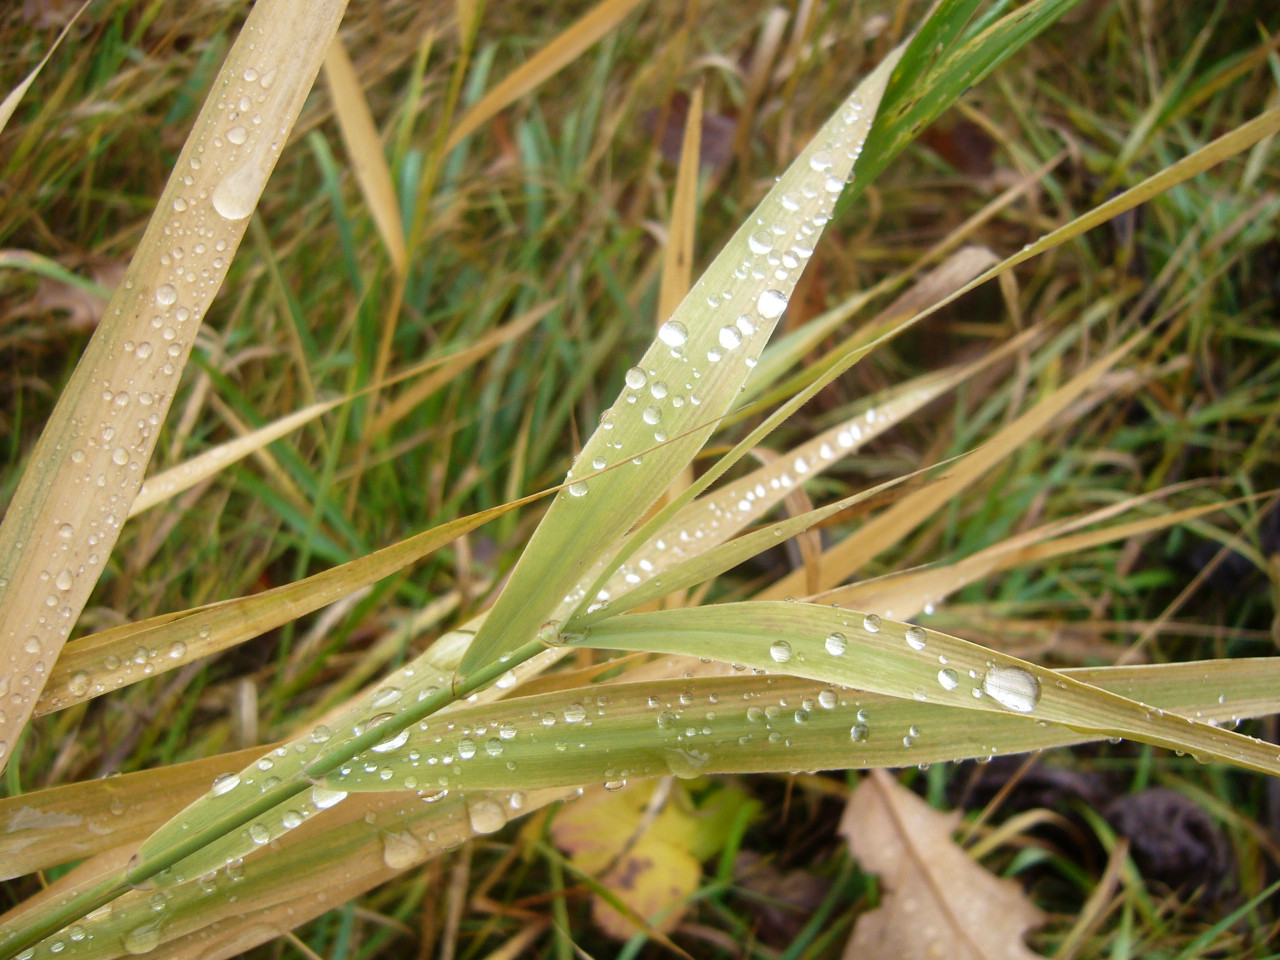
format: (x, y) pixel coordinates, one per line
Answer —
(674, 333)
(836, 644)
(780, 650)
(1012, 687)
(486, 816)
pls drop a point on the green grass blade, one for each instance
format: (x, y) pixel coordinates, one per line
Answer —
(914, 663)
(687, 380)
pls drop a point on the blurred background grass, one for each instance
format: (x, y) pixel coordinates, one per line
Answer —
(564, 199)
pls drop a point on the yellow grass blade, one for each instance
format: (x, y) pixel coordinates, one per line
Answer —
(557, 54)
(14, 96)
(89, 462)
(114, 658)
(368, 162)
(847, 556)
(906, 594)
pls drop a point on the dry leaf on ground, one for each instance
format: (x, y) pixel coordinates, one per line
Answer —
(935, 900)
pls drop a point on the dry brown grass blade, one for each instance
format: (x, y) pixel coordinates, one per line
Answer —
(465, 357)
(114, 658)
(364, 146)
(77, 820)
(89, 462)
(845, 557)
(906, 594)
(557, 54)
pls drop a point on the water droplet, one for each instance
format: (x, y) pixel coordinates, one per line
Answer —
(760, 242)
(78, 683)
(780, 650)
(466, 748)
(636, 378)
(578, 489)
(65, 531)
(401, 850)
(673, 333)
(871, 623)
(827, 699)
(259, 833)
(948, 678)
(575, 713)
(730, 338)
(321, 734)
(31, 644)
(771, 303)
(237, 135)
(236, 194)
(224, 783)
(291, 819)
(166, 294)
(1012, 687)
(486, 816)
(386, 696)
(323, 799)
(652, 415)
(859, 732)
(837, 642)
(915, 637)
(820, 161)
(143, 938)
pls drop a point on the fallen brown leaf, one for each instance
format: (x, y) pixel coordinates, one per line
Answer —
(936, 902)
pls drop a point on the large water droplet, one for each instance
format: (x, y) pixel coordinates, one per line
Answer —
(224, 784)
(859, 732)
(166, 293)
(771, 303)
(780, 650)
(673, 333)
(636, 378)
(730, 338)
(322, 799)
(401, 850)
(486, 816)
(760, 242)
(578, 489)
(143, 938)
(1012, 687)
(575, 713)
(236, 194)
(948, 678)
(837, 642)
(871, 623)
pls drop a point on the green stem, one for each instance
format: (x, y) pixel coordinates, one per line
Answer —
(21, 935)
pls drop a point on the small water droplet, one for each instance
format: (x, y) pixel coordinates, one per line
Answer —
(237, 135)
(166, 293)
(578, 489)
(780, 650)
(859, 732)
(636, 378)
(259, 833)
(730, 338)
(916, 637)
(78, 683)
(837, 642)
(871, 623)
(65, 531)
(466, 748)
(948, 678)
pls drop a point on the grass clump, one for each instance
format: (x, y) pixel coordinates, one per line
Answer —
(345, 599)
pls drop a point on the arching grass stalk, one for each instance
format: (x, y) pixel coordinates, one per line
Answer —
(20, 936)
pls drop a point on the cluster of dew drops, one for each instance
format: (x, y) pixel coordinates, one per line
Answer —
(777, 250)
